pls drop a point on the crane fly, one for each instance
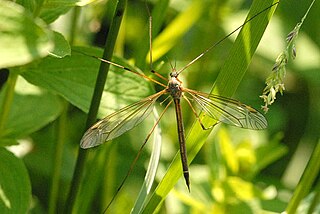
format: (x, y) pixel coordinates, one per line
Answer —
(222, 109)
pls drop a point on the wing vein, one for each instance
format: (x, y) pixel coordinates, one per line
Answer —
(228, 110)
(119, 122)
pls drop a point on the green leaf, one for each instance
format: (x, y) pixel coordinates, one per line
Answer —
(31, 110)
(15, 188)
(61, 46)
(22, 38)
(53, 9)
(29, 5)
(226, 84)
(228, 152)
(269, 153)
(74, 78)
(310, 175)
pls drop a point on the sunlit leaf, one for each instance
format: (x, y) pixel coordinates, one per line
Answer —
(61, 46)
(15, 188)
(73, 77)
(24, 118)
(22, 38)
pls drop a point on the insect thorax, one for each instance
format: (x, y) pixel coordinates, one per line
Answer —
(174, 88)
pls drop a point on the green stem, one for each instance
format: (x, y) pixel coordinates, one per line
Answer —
(310, 174)
(7, 100)
(74, 21)
(315, 200)
(312, 169)
(61, 132)
(95, 102)
(61, 135)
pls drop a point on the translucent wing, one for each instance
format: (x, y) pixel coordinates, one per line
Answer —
(228, 110)
(119, 122)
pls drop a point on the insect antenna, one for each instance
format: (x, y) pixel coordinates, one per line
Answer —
(224, 38)
(150, 46)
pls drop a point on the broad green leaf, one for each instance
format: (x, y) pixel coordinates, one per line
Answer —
(74, 78)
(31, 110)
(15, 188)
(61, 46)
(53, 9)
(22, 38)
(29, 5)
(55, 3)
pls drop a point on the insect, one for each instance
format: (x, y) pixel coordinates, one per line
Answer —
(222, 109)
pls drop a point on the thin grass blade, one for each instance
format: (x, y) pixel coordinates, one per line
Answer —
(226, 84)
(152, 167)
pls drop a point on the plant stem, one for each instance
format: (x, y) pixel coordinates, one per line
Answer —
(7, 100)
(74, 23)
(310, 174)
(315, 200)
(95, 102)
(61, 136)
(61, 132)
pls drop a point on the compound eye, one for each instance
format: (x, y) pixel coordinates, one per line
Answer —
(173, 74)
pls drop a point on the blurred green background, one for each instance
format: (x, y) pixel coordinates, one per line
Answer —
(237, 171)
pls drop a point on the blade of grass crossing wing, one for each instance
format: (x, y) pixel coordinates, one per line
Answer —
(226, 83)
(152, 167)
(243, 49)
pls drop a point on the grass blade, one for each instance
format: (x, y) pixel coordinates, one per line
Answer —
(152, 168)
(226, 84)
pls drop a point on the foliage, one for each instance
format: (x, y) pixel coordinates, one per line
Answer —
(49, 80)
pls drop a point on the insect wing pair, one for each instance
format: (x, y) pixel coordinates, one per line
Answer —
(223, 109)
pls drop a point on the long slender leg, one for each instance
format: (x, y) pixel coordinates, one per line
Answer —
(124, 68)
(138, 155)
(196, 114)
(182, 142)
(150, 41)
